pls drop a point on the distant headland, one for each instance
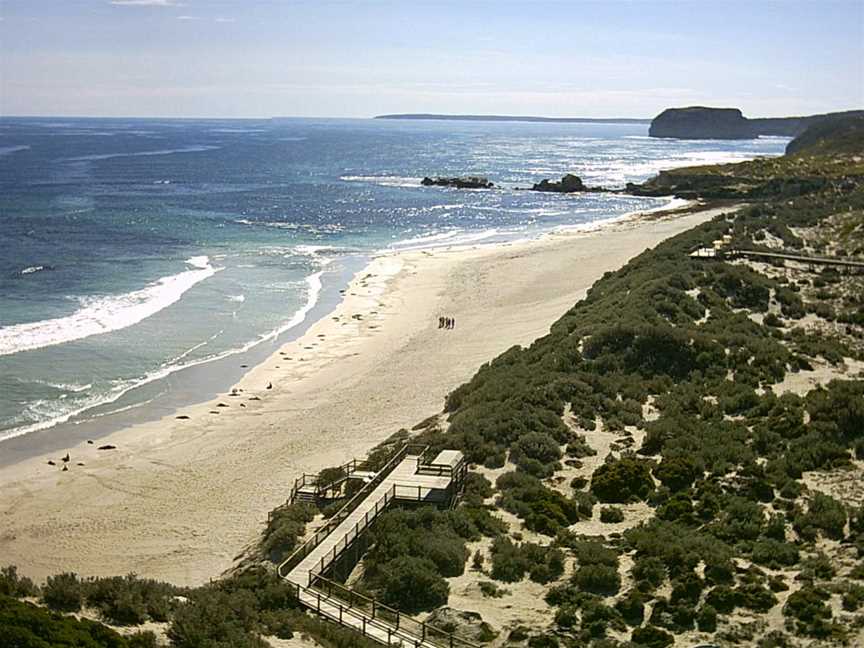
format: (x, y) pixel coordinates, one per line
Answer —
(518, 118)
(700, 122)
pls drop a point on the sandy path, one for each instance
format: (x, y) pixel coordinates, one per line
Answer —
(179, 499)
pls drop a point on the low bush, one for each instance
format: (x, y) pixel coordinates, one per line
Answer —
(24, 625)
(286, 524)
(491, 590)
(412, 584)
(11, 584)
(623, 480)
(63, 592)
(611, 515)
(511, 561)
(598, 579)
(651, 637)
(544, 510)
(824, 514)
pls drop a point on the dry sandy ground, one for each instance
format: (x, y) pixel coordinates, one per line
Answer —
(180, 498)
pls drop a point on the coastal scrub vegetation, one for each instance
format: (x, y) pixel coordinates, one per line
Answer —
(696, 358)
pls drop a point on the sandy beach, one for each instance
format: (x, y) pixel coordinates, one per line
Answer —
(179, 498)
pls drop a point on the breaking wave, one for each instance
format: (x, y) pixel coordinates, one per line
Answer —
(105, 314)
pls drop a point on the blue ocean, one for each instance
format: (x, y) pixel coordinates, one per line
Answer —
(134, 250)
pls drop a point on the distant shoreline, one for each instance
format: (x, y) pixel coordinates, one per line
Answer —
(516, 118)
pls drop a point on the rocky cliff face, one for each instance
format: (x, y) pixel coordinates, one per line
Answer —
(699, 122)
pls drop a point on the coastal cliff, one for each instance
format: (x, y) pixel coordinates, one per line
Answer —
(700, 122)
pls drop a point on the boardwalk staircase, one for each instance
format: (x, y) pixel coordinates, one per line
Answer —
(409, 477)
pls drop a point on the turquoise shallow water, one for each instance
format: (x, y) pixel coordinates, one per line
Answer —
(134, 249)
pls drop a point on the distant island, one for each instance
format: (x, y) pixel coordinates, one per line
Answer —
(700, 122)
(518, 118)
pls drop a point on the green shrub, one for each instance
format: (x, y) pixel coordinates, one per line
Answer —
(286, 524)
(811, 612)
(825, 514)
(774, 553)
(509, 564)
(649, 571)
(130, 600)
(11, 584)
(539, 446)
(755, 597)
(24, 625)
(676, 473)
(578, 447)
(651, 637)
(631, 606)
(622, 481)
(611, 515)
(706, 619)
(63, 592)
(412, 584)
(598, 579)
(491, 590)
(213, 617)
(544, 510)
(439, 536)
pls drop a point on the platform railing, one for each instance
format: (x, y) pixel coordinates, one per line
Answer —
(307, 547)
(420, 631)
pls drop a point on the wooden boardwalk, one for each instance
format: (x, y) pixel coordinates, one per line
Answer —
(406, 478)
(402, 483)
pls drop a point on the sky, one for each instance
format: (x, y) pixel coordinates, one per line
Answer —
(322, 58)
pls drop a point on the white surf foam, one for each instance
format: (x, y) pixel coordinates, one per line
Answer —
(108, 156)
(9, 150)
(445, 239)
(104, 314)
(56, 412)
(385, 181)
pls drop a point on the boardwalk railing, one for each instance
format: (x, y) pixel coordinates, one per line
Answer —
(313, 480)
(339, 603)
(420, 631)
(307, 547)
(799, 258)
(404, 492)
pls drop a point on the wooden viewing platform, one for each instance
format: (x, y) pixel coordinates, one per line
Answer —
(408, 478)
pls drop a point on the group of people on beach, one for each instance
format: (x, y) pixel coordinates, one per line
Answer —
(446, 322)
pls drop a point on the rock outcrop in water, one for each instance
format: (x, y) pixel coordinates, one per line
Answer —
(568, 184)
(465, 182)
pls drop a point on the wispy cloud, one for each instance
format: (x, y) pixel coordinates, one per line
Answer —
(220, 19)
(188, 18)
(146, 3)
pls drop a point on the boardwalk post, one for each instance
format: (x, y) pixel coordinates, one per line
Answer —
(318, 594)
(397, 619)
(364, 625)
(424, 631)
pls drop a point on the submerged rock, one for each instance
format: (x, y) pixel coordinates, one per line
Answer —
(464, 182)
